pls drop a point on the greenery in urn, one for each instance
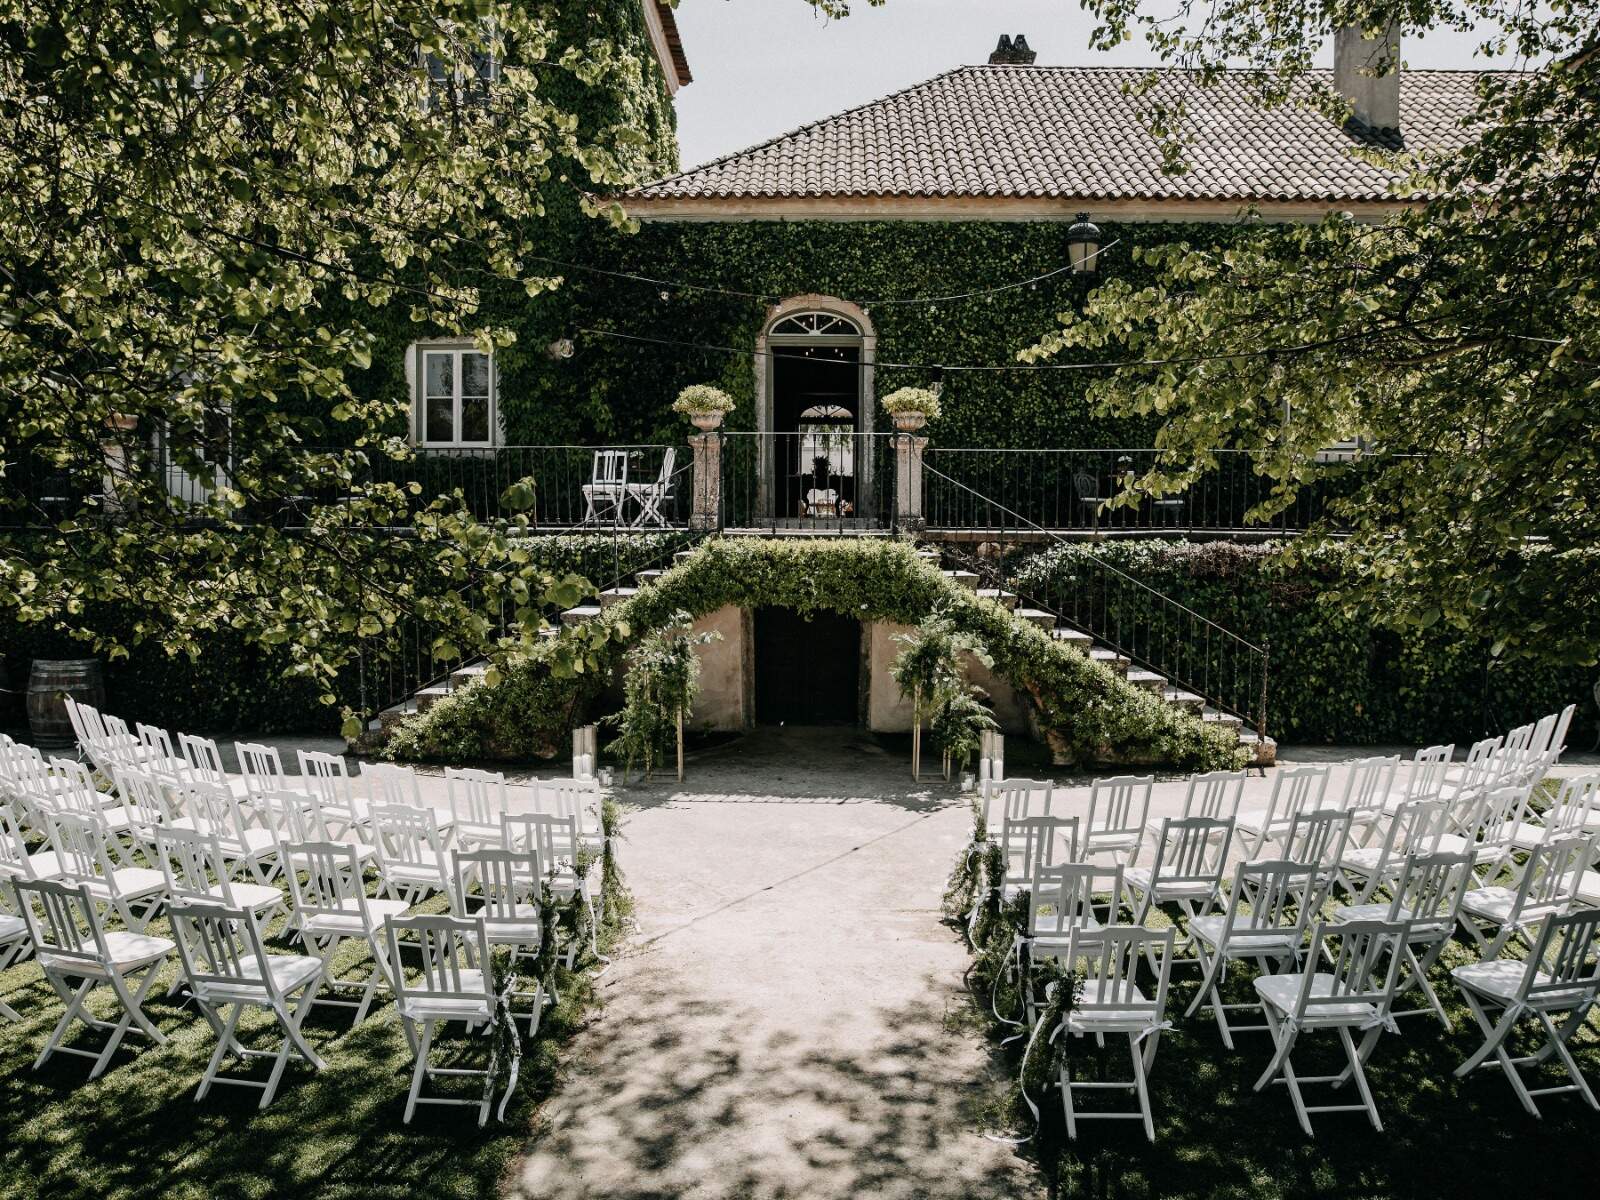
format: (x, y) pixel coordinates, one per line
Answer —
(912, 400)
(702, 399)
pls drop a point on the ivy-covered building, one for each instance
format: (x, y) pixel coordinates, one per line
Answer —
(750, 270)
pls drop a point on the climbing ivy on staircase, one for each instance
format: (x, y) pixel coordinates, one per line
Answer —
(1087, 712)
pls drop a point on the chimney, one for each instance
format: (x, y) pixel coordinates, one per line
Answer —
(1009, 53)
(1366, 71)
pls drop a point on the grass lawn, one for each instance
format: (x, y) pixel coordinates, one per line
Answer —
(137, 1130)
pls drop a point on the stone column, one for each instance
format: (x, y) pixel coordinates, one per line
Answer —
(707, 481)
(908, 448)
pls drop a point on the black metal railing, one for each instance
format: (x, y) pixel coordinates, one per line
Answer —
(840, 482)
(1154, 631)
(1069, 491)
(574, 487)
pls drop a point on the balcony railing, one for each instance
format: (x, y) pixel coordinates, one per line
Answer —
(1066, 491)
(840, 482)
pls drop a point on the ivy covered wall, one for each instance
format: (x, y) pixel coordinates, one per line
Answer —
(614, 390)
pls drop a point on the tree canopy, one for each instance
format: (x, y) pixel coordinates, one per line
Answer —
(1458, 338)
(203, 198)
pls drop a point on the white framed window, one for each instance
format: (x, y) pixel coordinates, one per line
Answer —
(455, 402)
(466, 79)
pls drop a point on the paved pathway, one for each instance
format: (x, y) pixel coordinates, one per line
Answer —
(781, 1025)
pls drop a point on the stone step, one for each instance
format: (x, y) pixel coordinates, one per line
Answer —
(550, 632)
(999, 596)
(462, 676)
(1179, 698)
(966, 579)
(1215, 716)
(1103, 654)
(616, 595)
(1075, 638)
(646, 578)
(429, 696)
(1148, 680)
(1037, 616)
(393, 716)
(683, 555)
(929, 555)
(580, 614)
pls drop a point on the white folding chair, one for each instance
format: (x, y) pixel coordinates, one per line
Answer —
(261, 769)
(336, 807)
(1560, 977)
(1424, 777)
(146, 803)
(651, 496)
(394, 783)
(555, 842)
(1367, 783)
(1490, 823)
(14, 940)
(331, 906)
(77, 955)
(411, 855)
(218, 811)
(1355, 992)
(1191, 854)
(456, 984)
(15, 860)
(85, 860)
(1294, 789)
(1118, 810)
(576, 798)
(1029, 842)
(227, 968)
(1575, 810)
(195, 867)
(155, 754)
(607, 487)
(204, 760)
(1416, 829)
(1461, 781)
(1427, 892)
(1269, 907)
(477, 803)
(1064, 899)
(1317, 838)
(1010, 799)
(75, 794)
(1215, 795)
(1545, 885)
(1111, 1002)
(510, 906)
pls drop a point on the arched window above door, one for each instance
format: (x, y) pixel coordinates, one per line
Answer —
(816, 324)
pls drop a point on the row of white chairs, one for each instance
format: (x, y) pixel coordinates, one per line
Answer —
(221, 846)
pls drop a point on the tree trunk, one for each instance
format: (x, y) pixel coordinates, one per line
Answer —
(680, 745)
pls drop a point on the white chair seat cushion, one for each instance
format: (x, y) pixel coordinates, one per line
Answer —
(1589, 887)
(1363, 859)
(364, 852)
(252, 896)
(1252, 819)
(1122, 839)
(1210, 930)
(350, 922)
(1138, 878)
(1283, 993)
(1491, 903)
(130, 881)
(472, 831)
(1501, 978)
(45, 865)
(424, 873)
(1054, 945)
(256, 842)
(289, 972)
(11, 927)
(472, 1005)
(128, 951)
(1113, 1018)
(1451, 843)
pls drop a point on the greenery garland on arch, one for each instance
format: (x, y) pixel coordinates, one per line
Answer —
(1088, 713)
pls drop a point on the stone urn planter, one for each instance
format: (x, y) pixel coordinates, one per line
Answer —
(911, 408)
(909, 421)
(706, 422)
(704, 405)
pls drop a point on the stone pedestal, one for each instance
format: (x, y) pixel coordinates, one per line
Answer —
(908, 450)
(707, 481)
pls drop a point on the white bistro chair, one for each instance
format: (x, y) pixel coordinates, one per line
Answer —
(477, 806)
(1545, 885)
(1294, 789)
(1111, 1002)
(510, 905)
(1560, 978)
(78, 954)
(331, 906)
(1355, 992)
(607, 488)
(456, 984)
(227, 968)
(1118, 810)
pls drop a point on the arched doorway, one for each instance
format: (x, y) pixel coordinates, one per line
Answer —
(814, 376)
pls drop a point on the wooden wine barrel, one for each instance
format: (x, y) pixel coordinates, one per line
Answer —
(52, 679)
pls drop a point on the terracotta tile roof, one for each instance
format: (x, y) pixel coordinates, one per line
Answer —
(669, 28)
(999, 131)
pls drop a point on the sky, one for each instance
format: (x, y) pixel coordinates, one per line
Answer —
(763, 67)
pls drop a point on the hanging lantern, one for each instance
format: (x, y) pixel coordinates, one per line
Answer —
(1083, 244)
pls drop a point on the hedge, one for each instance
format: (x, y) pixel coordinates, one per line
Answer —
(1334, 679)
(1088, 712)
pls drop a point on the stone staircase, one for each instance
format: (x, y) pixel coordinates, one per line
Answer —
(1262, 749)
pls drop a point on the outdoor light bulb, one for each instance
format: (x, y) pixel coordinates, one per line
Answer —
(666, 295)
